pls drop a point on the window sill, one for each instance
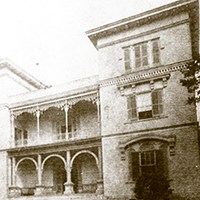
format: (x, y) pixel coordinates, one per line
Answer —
(141, 69)
(143, 120)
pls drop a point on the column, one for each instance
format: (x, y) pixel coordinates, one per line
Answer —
(66, 108)
(38, 124)
(39, 186)
(68, 185)
(14, 191)
(12, 118)
(13, 172)
(100, 178)
(98, 113)
(9, 172)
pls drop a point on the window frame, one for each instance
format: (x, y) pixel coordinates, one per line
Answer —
(20, 137)
(130, 59)
(133, 111)
(135, 169)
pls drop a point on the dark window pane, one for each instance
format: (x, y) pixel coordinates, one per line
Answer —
(63, 129)
(137, 62)
(155, 52)
(137, 52)
(127, 62)
(144, 49)
(156, 58)
(157, 106)
(131, 106)
(144, 61)
(145, 114)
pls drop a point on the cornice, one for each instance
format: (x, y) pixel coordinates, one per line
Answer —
(146, 75)
(125, 39)
(140, 19)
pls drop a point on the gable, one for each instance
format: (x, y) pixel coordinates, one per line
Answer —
(14, 80)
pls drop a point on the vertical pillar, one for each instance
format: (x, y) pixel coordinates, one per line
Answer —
(39, 170)
(38, 124)
(12, 118)
(98, 113)
(13, 171)
(100, 178)
(9, 172)
(14, 191)
(66, 108)
(68, 185)
(39, 188)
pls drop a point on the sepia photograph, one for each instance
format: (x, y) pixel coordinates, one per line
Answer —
(100, 100)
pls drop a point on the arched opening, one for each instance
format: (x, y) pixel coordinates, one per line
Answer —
(54, 175)
(26, 176)
(84, 173)
(147, 157)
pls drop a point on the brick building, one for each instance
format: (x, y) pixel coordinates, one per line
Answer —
(97, 135)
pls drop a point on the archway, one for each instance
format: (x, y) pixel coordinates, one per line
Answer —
(26, 176)
(84, 172)
(54, 174)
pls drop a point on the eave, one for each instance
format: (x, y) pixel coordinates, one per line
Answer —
(140, 19)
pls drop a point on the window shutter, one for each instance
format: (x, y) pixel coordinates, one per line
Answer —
(155, 52)
(137, 57)
(144, 55)
(160, 162)
(157, 102)
(135, 165)
(131, 107)
(127, 61)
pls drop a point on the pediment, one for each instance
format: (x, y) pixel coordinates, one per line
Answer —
(14, 80)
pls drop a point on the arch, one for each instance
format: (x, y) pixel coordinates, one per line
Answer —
(84, 151)
(135, 140)
(53, 155)
(26, 158)
(170, 139)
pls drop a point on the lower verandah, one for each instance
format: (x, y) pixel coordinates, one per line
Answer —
(56, 173)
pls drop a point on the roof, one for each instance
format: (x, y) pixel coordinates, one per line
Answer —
(68, 89)
(135, 20)
(6, 63)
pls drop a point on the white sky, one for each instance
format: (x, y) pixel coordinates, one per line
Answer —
(52, 33)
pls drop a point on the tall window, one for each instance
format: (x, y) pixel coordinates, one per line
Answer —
(60, 131)
(145, 105)
(146, 163)
(142, 55)
(21, 137)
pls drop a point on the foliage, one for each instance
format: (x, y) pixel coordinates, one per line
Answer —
(153, 187)
(191, 80)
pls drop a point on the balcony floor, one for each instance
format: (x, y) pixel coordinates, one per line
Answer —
(61, 197)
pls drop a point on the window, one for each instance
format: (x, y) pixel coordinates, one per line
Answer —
(146, 163)
(145, 105)
(21, 137)
(142, 55)
(60, 131)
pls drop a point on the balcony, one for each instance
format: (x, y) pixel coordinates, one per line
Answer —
(55, 124)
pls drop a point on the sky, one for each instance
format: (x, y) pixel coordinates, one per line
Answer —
(47, 38)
